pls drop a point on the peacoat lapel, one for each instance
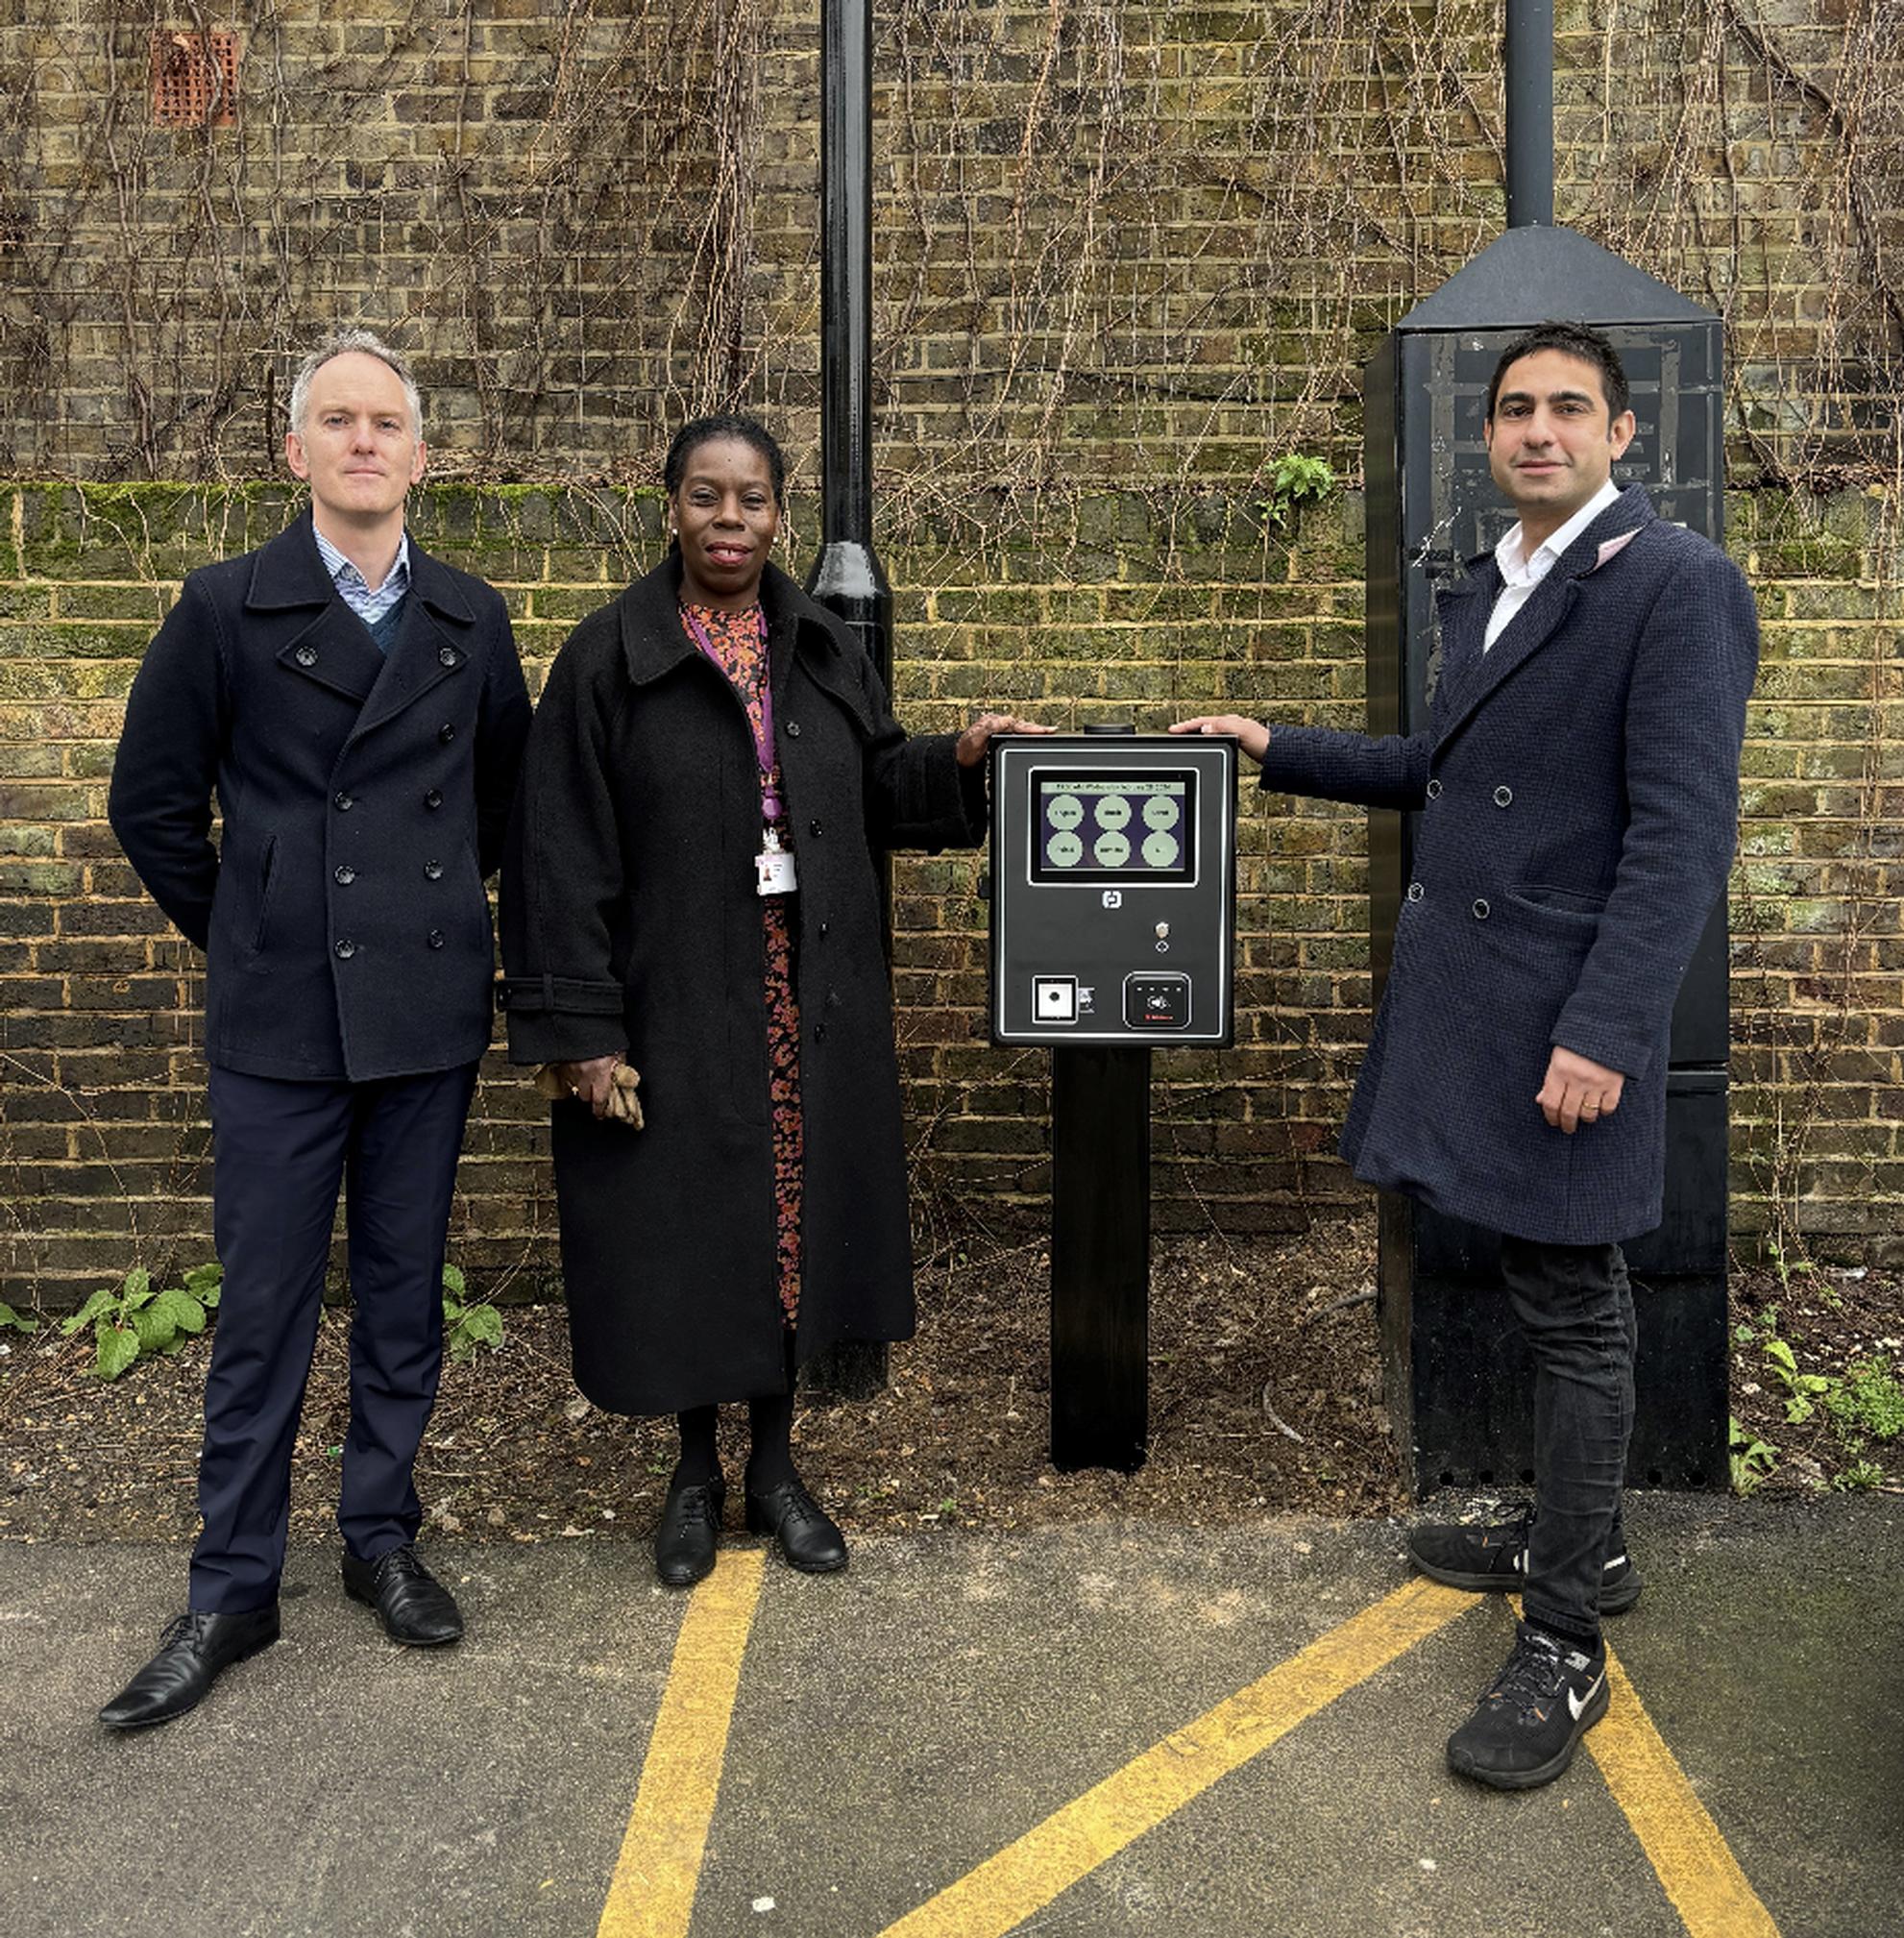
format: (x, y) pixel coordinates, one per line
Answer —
(335, 649)
(431, 644)
(1542, 616)
(332, 648)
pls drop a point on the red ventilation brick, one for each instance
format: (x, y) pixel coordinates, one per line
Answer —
(195, 79)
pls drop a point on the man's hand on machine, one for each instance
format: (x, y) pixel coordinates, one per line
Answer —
(1251, 735)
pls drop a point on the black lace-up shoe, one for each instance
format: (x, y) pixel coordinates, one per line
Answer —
(414, 1606)
(1495, 1557)
(194, 1651)
(690, 1529)
(1525, 1728)
(807, 1536)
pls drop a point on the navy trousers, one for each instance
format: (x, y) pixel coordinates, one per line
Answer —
(282, 1150)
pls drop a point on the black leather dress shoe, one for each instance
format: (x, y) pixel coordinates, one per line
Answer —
(690, 1526)
(193, 1651)
(415, 1608)
(807, 1535)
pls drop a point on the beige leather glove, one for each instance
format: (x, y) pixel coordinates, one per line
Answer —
(624, 1106)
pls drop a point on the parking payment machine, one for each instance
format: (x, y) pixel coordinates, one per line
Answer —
(1113, 899)
(1113, 886)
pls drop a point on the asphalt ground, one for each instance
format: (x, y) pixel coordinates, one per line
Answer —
(1113, 1729)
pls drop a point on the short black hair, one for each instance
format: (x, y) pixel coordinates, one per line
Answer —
(718, 430)
(1575, 339)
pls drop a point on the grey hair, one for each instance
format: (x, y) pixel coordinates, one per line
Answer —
(345, 343)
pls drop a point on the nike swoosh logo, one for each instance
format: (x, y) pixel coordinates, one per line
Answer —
(1577, 1703)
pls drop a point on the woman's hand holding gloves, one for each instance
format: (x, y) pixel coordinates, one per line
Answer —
(605, 1084)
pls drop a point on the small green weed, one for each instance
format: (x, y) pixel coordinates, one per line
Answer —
(1868, 1400)
(1858, 1475)
(1753, 1459)
(137, 1318)
(20, 1322)
(467, 1323)
(1295, 479)
(1803, 1390)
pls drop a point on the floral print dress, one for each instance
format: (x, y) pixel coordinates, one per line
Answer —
(739, 651)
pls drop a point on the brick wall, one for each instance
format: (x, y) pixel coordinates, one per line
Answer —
(1118, 241)
(1127, 252)
(1129, 606)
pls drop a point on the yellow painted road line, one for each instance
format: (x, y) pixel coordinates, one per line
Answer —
(1694, 1863)
(1025, 1876)
(652, 1892)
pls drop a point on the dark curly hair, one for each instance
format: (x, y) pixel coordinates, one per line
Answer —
(718, 430)
(1575, 339)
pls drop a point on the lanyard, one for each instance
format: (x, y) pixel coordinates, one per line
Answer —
(770, 801)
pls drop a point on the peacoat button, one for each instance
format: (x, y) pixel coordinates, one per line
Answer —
(823, 931)
(446, 733)
(431, 800)
(346, 874)
(1434, 790)
(436, 938)
(346, 949)
(792, 729)
(813, 827)
(445, 655)
(820, 1033)
(433, 870)
(344, 802)
(1504, 797)
(1415, 891)
(1480, 911)
(306, 655)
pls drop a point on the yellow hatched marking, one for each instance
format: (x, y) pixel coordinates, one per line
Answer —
(1026, 1876)
(1692, 1861)
(652, 1892)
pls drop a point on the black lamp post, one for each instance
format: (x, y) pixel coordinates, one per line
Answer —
(846, 577)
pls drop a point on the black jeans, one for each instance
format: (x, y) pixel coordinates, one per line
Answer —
(1575, 1307)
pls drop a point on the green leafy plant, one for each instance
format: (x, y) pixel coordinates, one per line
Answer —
(137, 1319)
(1868, 1400)
(1753, 1459)
(1296, 479)
(20, 1322)
(1860, 1474)
(467, 1323)
(1803, 1390)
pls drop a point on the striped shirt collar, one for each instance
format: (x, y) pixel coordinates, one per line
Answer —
(368, 605)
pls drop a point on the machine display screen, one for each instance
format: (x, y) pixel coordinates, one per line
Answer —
(1113, 827)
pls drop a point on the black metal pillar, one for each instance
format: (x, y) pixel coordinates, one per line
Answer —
(1100, 1257)
(1529, 114)
(846, 577)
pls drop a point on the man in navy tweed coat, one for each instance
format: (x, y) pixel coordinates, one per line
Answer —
(1577, 787)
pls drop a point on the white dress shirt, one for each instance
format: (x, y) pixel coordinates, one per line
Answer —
(1520, 575)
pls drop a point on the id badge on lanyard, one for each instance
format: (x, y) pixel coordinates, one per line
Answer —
(775, 873)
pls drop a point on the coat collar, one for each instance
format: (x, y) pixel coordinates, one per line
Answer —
(654, 641)
(333, 647)
(288, 571)
(1464, 613)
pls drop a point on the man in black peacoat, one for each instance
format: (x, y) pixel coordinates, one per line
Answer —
(1578, 792)
(358, 710)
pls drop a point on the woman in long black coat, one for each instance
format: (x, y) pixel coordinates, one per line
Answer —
(691, 884)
